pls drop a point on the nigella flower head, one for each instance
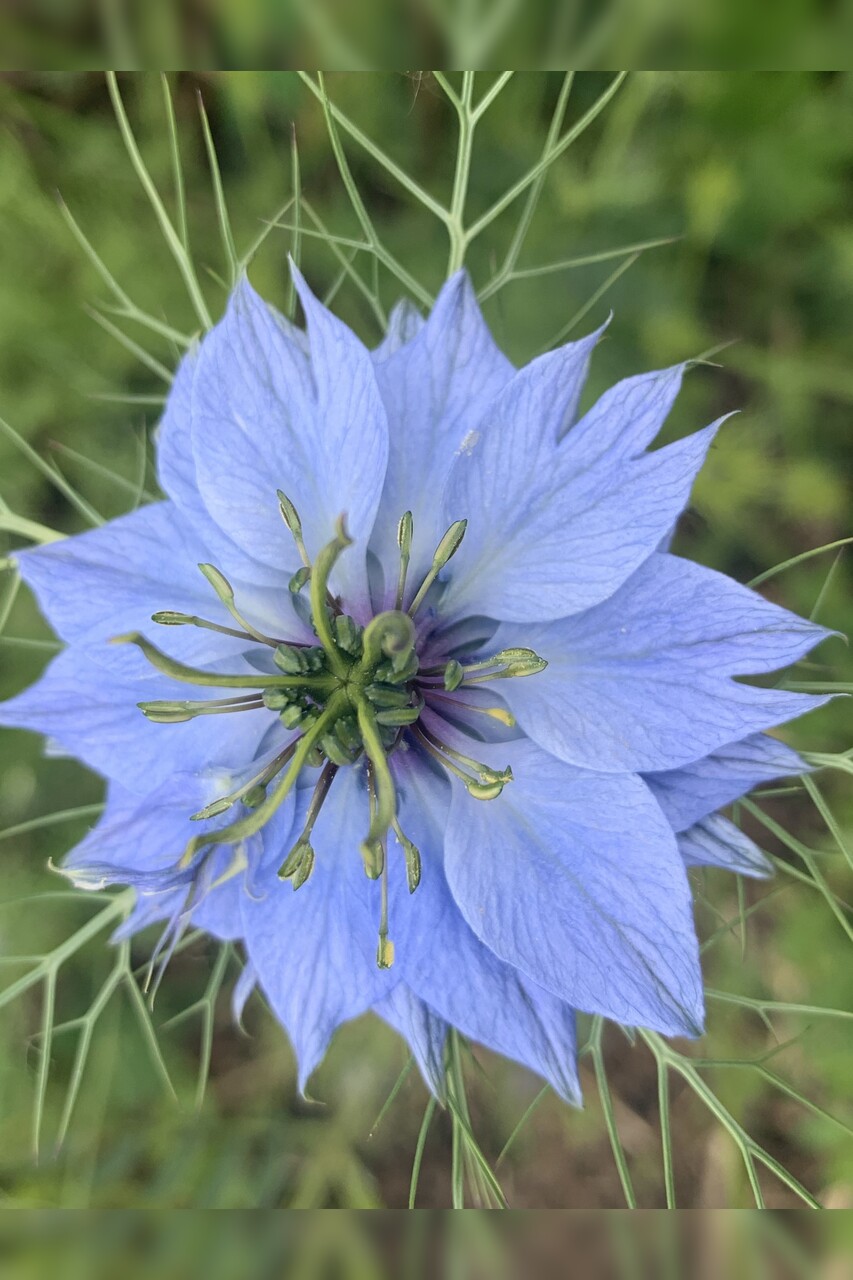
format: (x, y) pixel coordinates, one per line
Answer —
(412, 699)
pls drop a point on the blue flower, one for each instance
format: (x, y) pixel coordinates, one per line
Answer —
(447, 757)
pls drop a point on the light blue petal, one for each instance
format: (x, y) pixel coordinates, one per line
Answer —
(692, 792)
(92, 712)
(422, 1029)
(434, 388)
(644, 681)
(314, 949)
(111, 580)
(626, 418)
(177, 474)
(447, 965)
(243, 988)
(575, 879)
(555, 527)
(265, 418)
(717, 842)
(404, 324)
(139, 842)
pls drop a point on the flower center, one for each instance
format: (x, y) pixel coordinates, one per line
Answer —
(356, 696)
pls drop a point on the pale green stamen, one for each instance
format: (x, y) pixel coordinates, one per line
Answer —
(404, 542)
(299, 863)
(479, 788)
(170, 618)
(225, 592)
(178, 712)
(290, 516)
(445, 550)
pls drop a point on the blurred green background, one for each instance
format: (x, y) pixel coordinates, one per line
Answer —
(748, 176)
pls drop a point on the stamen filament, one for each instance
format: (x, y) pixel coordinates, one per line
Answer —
(404, 541)
(169, 618)
(194, 675)
(437, 755)
(253, 822)
(483, 771)
(478, 788)
(495, 713)
(319, 587)
(447, 548)
(512, 663)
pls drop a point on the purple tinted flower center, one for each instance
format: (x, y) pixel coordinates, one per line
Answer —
(355, 697)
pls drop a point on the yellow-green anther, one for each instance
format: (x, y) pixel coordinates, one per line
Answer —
(447, 548)
(298, 864)
(225, 592)
(293, 859)
(404, 541)
(454, 674)
(385, 808)
(193, 675)
(385, 952)
(302, 849)
(290, 516)
(484, 772)
(251, 823)
(522, 667)
(323, 566)
(389, 635)
(513, 662)
(179, 712)
(495, 713)
(168, 618)
(304, 869)
(412, 855)
(219, 582)
(484, 790)
(213, 809)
